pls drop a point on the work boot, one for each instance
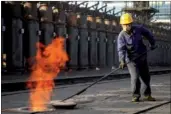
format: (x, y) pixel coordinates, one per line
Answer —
(135, 99)
(149, 98)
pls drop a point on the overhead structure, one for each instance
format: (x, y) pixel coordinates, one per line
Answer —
(141, 11)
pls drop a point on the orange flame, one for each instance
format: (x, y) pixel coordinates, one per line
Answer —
(49, 60)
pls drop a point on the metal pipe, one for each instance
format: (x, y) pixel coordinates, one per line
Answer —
(102, 7)
(94, 5)
(81, 3)
(110, 10)
(90, 7)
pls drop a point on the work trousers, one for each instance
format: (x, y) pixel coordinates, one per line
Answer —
(139, 72)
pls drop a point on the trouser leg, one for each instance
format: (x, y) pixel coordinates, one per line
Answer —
(135, 82)
(145, 76)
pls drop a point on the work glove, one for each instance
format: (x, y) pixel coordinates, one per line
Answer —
(122, 65)
(153, 47)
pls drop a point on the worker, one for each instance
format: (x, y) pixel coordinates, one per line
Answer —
(130, 45)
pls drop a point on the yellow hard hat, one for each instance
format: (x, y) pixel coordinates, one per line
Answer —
(126, 19)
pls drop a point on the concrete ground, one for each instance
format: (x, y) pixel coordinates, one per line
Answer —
(107, 97)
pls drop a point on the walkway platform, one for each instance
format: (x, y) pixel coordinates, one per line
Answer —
(71, 77)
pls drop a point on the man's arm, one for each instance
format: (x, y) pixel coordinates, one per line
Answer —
(148, 35)
(121, 47)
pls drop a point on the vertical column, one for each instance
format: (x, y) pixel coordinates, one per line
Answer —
(109, 45)
(72, 41)
(83, 42)
(46, 25)
(92, 48)
(102, 42)
(115, 32)
(13, 42)
(59, 19)
(3, 53)
(32, 33)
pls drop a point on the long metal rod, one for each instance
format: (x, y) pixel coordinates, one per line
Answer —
(106, 75)
(153, 107)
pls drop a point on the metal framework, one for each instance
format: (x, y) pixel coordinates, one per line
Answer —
(141, 11)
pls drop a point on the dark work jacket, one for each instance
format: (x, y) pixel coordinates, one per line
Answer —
(131, 45)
